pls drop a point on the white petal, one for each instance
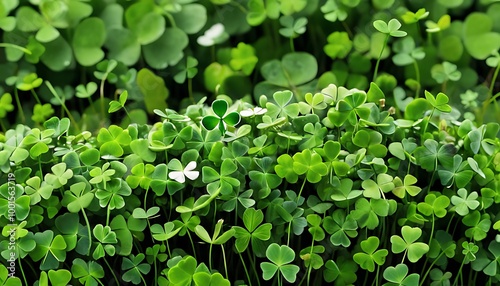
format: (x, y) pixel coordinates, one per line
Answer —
(247, 112)
(177, 176)
(260, 110)
(192, 175)
(205, 41)
(190, 166)
(215, 31)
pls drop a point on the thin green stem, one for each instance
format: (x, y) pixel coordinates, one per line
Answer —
(170, 19)
(430, 268)
(245, 268)
(22, 270)
(239, 6)
(143, 280)
(432, 229)
(378, 273)
(379, 57)
(9, 45)
(210, 257)
(19, 106)
(292, 47)
(53, 91)
(112, 271)
(192, 244)
(417, 75)
(459, 273)
(88, 229)
(108, 212)
(36, 96)
(252, 262)
(490, 97)
(101, 94)
(190, 89)
(224, 260)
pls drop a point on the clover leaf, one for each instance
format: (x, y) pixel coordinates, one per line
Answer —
(5, 104)
(407, 185)
(112, 140)
(134, 269)
(243, 58)
(407, 243)
(49, 248)
(59, 176)
(390, 28)
(14, 194)
(222, 118)
(285, 169)
(281, 257)
(370, 255)
(311, 164)
(463, 202)
(411, 17)
(434, 205)
(87, 273)
(292, 28)
(113, 194)
(399, 276)
(254, 230)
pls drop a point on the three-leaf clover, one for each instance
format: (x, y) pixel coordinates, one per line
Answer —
(280, 256)
(399, 276)
(222, 118)
(407, 243)
(463, 202)
(391, 28)
(311, 164)
(253, 232)
(370, 254)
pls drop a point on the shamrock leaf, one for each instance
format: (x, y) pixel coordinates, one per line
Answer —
(371, 255)
(463, 202)
(243, 58)
(414, 250)
(311, 164)
(399, 276)
(221, 118)
(280, 256)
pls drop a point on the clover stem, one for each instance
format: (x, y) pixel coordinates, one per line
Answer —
(444, 86)
(40, 167)
(108, 211)
(379, 57)
(22, 270)
(210, 257)
(168, 249)
(143, 280)
(376, 277)
(347, 29)
(404, 256)
(19, 106)
(190, 90)
(301, 188)
(459, 273)
(111, 270)
(253, 265)
(170, 19)
(192, 244)
(145, 198)
(101, 92)
(430, 268)
(449, 222)
(417, 75)
(309, 269)
(279, 279)
(156, 270)
(490, 97)
(292, 47)
(92, 105)
(22, 49)
(432, 229)
(88, 229)
(128, 114)
(36, 96)
(245, 268)
(70, 116)
(224, 260)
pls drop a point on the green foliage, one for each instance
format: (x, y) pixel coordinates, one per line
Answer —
(249, 131)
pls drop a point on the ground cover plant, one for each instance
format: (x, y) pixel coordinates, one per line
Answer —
(249, 142)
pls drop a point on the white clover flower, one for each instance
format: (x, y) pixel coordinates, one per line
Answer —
(253, 111)
(180, 176)
(212, 36)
